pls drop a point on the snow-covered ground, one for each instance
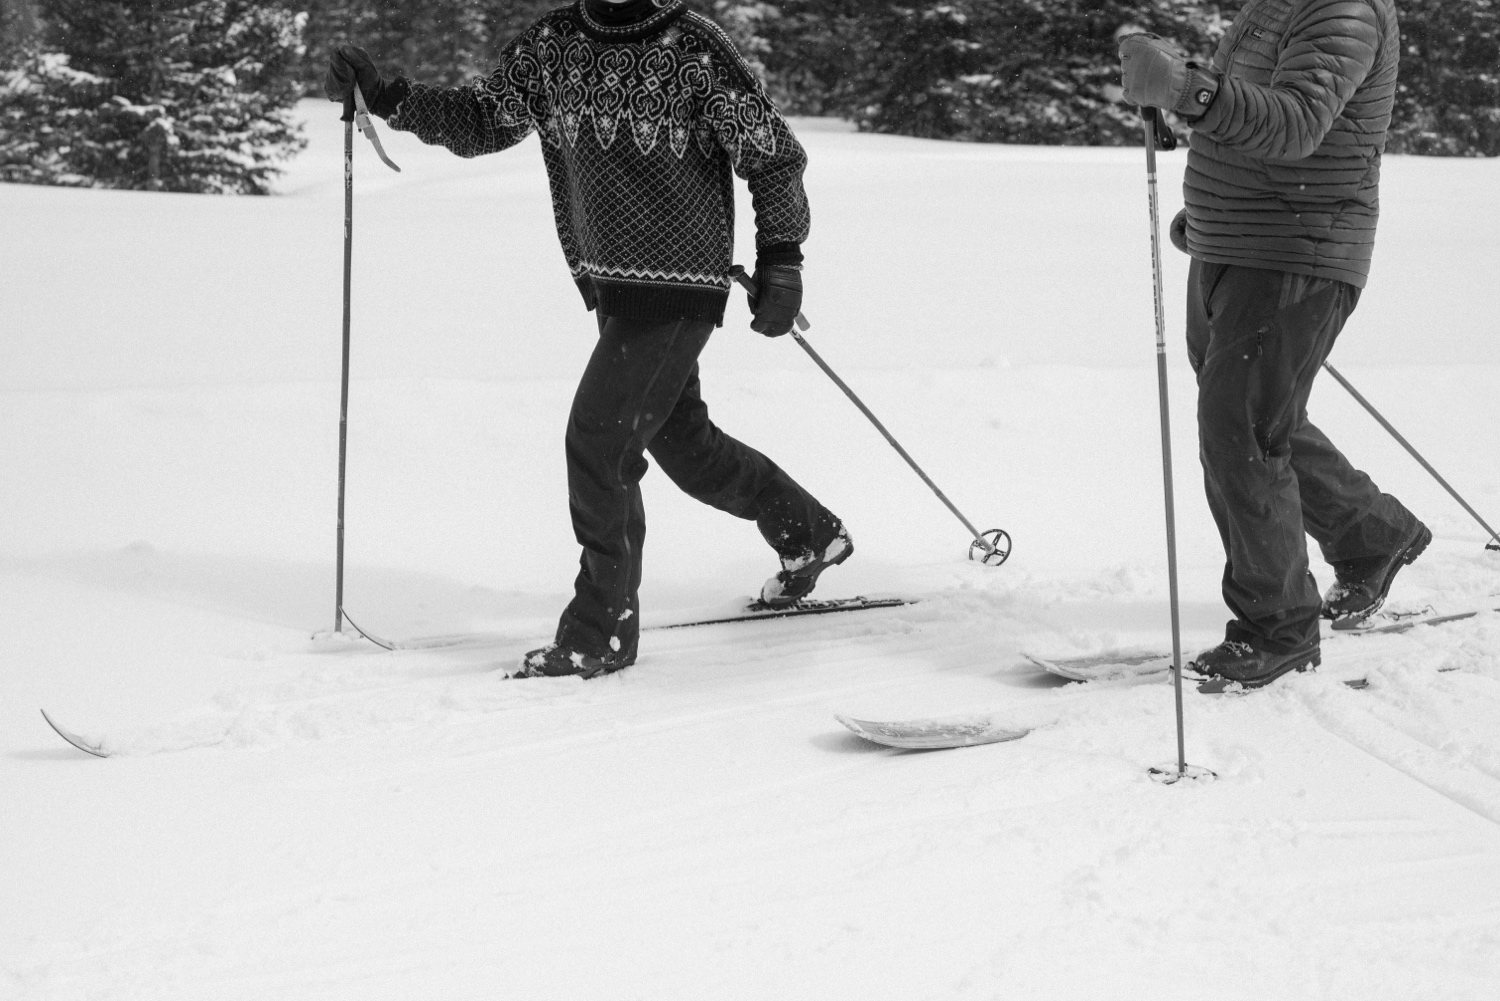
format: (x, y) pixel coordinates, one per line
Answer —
(299, 818)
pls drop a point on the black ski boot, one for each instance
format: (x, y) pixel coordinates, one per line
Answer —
(799, 574)
(1237, 662)
(1362, 584)
(554, 661)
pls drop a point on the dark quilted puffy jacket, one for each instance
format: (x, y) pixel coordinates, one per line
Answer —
(1284, 171)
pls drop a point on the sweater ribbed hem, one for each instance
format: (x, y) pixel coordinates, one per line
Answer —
(652, 301)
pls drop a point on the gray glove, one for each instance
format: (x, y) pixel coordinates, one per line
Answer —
(1178, 231)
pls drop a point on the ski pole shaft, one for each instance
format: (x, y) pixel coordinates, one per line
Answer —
(745, 280)
(1153, 125)
(338, 600)
(1414, 453)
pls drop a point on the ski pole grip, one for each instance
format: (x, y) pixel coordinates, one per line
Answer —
(738, 274)
(348, 115)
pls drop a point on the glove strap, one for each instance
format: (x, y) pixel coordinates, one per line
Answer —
(1198, 93)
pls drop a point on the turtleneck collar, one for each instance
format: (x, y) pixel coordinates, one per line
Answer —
(628, 21)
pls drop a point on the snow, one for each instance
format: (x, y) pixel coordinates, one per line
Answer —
(293, 816)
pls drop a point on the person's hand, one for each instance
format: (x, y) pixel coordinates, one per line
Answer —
(348, 65)
(777, 299)
(1155, 75)
(1178, 231)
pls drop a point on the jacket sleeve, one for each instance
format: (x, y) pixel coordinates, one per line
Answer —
(763, 151)
(485, 115)
(1326, 54)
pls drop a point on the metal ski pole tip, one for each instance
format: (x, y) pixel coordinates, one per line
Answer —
(1170, 774)
(992, 548)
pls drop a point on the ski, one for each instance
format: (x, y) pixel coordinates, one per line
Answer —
(751, 612)
(809, 606)
(96, 748)
(1400, 623)
(1120, 664)
(1105, 666)
(934, 734)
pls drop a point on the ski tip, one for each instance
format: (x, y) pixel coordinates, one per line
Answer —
(83, 744)
(934, 734)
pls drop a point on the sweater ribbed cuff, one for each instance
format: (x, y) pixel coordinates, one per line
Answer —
(390, 97)
(786, 254)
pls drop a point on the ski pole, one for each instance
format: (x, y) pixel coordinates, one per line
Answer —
(356, 113)
(1415, 455)
(1156, 131)
(994, 553)
(338, 594)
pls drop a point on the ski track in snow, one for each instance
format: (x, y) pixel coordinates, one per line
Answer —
(297, 816)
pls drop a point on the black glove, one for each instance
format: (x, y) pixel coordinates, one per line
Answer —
(778, 299)
(348, 64)
(1178, 231)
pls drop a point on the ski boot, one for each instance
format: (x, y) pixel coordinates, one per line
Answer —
(554, 661)
(1362, 584)
(799, 574)
(1237, 662)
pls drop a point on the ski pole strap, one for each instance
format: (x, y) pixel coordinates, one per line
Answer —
(1166, 139)
(362, 120)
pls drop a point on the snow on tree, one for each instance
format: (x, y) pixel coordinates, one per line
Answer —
(19, 25)
(171, 95)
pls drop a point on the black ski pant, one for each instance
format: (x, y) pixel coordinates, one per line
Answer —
(1256, 339)
(640, 393)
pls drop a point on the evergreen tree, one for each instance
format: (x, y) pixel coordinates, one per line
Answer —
(813, 55)
(441, 42)
(1448, 94)
(1032, 71)
(505, 19)
(175, 95)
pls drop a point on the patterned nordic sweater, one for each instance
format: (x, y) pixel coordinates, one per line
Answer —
(641, 125)
(1284, 171)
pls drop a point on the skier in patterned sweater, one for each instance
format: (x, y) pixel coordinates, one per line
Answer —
(643, 108)
(1282, 191)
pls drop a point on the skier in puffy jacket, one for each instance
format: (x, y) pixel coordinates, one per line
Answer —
(643, 109)
(1282, 196)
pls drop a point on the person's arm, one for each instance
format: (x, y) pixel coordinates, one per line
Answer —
(763, 151)
(485, 115)
(1326, 54)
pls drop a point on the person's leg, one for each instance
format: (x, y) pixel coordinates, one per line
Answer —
(628, 390)
(1258, 344)
(722, 472)
(1342, 507)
